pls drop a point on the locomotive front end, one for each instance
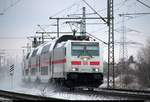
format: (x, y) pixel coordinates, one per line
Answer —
(85, 63)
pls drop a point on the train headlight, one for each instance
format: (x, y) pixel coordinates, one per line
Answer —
(96, 70)
(85, 59)
(74, 69)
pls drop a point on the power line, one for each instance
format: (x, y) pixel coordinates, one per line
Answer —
(1, 13)
(64, 10)
(95, 11)
(10, 6)
(120, 4)
(143, 3)
(97, 38)
(94, 36)
(13, 38)
(145, 13)
(117, 4)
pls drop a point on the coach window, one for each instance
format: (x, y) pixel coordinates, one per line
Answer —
(27, 56)
(85, 49)
(29, 62)
(65, 51)
(33, 71)
(45, 49)
(34, 53)
(44, 70)
(26, 71)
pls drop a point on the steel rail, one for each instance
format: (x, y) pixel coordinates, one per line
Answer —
(129, 90)
(135, 94)
(122, 93)
(126, 93)
(23, 96)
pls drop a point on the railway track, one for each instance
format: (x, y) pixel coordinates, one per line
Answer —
(122, 93)
(133, 94)
(129, 90)
(125, 93)
(21, 96)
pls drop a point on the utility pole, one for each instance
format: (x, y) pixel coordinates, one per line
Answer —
(123, 46)
(83, 24)
(47, 33)
(1, 56)
(0, 60)
(83, 19)
(57, 27)
(123, 43)
(42, 38)
(123, 49)
(110, 22)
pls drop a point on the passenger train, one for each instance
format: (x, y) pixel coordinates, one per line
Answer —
(75, 61)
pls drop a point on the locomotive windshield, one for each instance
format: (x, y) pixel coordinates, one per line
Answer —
(85, 49)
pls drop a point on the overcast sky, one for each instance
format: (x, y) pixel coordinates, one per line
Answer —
(21, 17)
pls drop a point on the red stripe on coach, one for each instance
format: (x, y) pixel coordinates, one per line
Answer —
(59, 61)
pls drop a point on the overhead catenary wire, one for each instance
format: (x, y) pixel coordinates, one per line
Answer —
(15, 38)
(117, 4)
(94, 37)
(64, 10)
(143, 3)
(42, 29)
(148, 1)
(97, 38)
(120, 4)
(95, 11)
(10, 6)
(128, 19)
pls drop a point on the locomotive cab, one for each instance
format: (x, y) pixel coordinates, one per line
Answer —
(85, 63)
(72, 60)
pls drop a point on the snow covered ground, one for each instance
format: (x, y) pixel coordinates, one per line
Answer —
(16, 85)
(50, 91)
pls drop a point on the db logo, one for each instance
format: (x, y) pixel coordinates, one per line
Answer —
(85, 63)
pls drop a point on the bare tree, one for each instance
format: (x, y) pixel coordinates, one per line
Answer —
(144, 65)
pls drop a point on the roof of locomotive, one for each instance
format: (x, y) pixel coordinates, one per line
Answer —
(51, 43)
(58, 42)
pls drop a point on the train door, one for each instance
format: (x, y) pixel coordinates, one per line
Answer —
(29, 70)
(50, 65)
(38, 67)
